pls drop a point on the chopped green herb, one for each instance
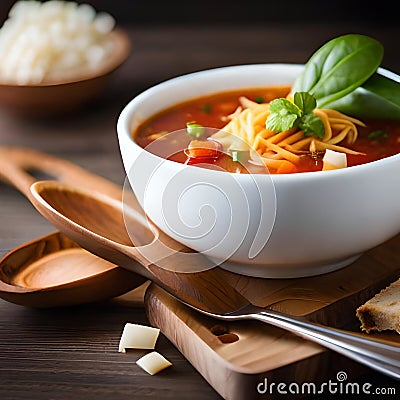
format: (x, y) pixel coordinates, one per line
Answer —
(379, 134)
(312, 125)
(194, 129)
(305, 101)
(240, 155)
(206, 108)
(259, 100)
(286, 115)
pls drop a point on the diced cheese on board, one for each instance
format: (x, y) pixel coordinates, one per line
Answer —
(136, 336)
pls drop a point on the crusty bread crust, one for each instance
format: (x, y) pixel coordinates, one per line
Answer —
(382, 312)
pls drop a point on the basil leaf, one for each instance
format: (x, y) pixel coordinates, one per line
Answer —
(379, 97)
(339, 67)
(305, 102)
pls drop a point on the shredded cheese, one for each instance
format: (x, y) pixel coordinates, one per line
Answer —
(246, 130)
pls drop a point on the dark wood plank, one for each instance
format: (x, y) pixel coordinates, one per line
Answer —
(73, 353)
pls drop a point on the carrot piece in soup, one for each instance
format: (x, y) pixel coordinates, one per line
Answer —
(203, 149)
(286, 167)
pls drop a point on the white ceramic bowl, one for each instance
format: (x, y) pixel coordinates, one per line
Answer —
(274, 226)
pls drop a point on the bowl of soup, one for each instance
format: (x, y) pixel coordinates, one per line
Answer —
(286, 210)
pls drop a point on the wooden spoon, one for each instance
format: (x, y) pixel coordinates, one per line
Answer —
(98, 223)
(53, 270)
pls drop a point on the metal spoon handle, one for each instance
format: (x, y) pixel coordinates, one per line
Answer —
(377, 355)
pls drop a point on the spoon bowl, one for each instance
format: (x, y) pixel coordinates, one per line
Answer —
(53, 270)
(122, 234)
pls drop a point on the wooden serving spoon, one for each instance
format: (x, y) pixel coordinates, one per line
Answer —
(98, 223)
(53, 270)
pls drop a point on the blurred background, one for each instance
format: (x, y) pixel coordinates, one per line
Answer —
(228, 32)
(319, 20)
(233, 12)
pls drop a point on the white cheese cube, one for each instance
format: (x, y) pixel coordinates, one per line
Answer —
(334, 160)
(138, 337)
(153, 363)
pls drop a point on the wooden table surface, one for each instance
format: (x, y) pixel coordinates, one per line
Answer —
(73, 352)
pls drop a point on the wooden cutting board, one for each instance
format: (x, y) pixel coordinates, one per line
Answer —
(262, 352)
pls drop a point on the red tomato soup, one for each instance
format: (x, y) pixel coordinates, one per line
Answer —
(376, 140)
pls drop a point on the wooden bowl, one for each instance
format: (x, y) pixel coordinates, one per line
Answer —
(57, 97)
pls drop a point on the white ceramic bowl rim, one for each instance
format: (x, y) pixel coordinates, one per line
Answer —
(124, 120)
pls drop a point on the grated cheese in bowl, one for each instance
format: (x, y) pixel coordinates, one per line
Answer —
(53, 40)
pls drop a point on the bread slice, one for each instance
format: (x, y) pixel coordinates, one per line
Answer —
(382, 312)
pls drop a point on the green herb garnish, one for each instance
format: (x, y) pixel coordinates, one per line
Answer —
(240, 156)
(259, 100)
(286, 115)
(194, 129)
(206, 108)
(377, 135)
